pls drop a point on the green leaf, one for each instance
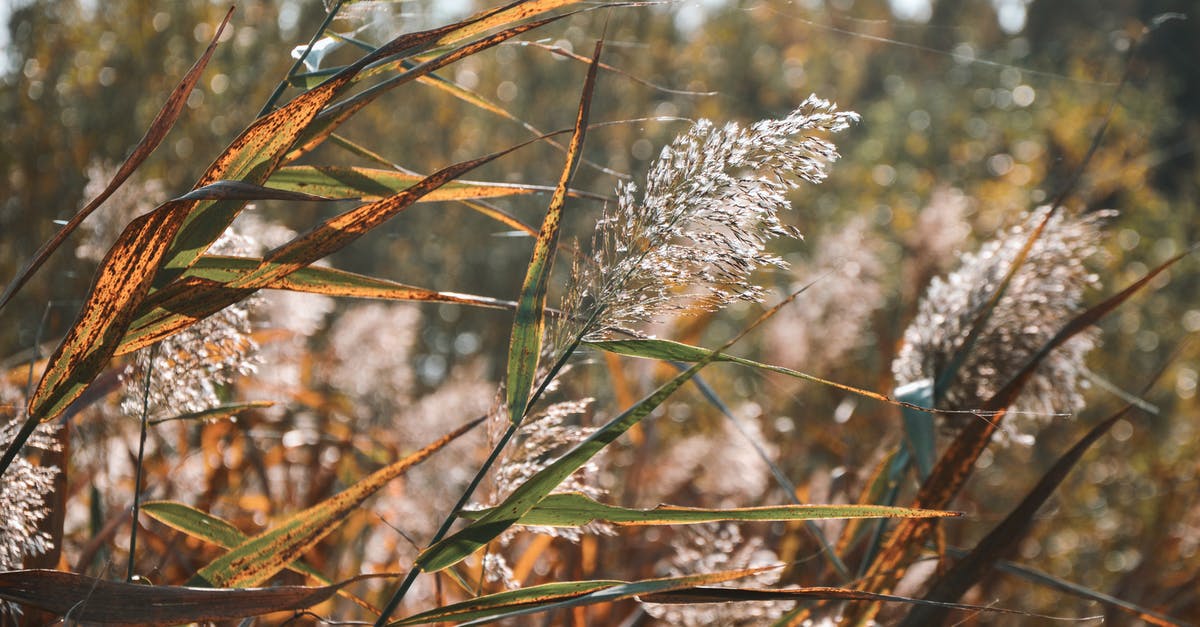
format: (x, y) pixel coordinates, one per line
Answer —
(577, 510)
(525, 344)
(668, 350)
(525, 497)
(241, 190)
(220, 532)
(178, 301)
(372, 184)
(1042, 578)
(1004, 537)
(195, 523)
(490, 604)
(511, 603)
(201, 297)
(957, 462)
(122, 281)
(257, 152)
(333, 117)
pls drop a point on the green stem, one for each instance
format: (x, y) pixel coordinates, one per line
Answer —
(137, 480)
(295, 66)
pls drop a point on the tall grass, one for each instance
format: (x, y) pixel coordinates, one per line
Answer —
(285, 458)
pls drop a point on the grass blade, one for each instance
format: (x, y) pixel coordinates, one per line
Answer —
(123, 280)
(513, 12)
(952, 584)
(957, 463)
(209, 528)
(457, 547)
(577, 510)
(525, 345)
(241, 190)
(1050, 581)
(668, 350)
(490, 604)
(174, 235)
(203, 298)
(210, 272)
(94, 600)
(255, 154)
(494, 607)
(373, 184)
(333, 117)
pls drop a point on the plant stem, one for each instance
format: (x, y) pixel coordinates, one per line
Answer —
(137, 481)
(447, 523)
(295, 66)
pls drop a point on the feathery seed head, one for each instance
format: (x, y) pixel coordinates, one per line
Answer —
(716, 547)
(188, 367)
(710, 205)
(23, 488)
(1044, 294)
(542, 439)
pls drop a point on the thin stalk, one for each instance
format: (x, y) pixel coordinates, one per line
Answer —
(777, 472)
(513, 425)
(447, 523)
(295, 66)
(27, 428)
(137, 480)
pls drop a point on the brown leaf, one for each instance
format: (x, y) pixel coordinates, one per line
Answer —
(154, 135)
(96, 600)
(957, 463)
(952, 584)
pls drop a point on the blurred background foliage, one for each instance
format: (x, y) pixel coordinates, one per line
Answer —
(973, 111)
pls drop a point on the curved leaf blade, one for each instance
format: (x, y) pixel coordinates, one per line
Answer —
(501, 601)
(668, 350)
(525, 497)
(525, 343)
(511, 603)
(95, 600)
(195, 523)
(333, 117)
(241, 190)
(957, 462)
(952, 584)
(202, 298)
(261, 147)
(165, 309)
(577, 510)
(209, 528)
(372, 184)
(121, 283)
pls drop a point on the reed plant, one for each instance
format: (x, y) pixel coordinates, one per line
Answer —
(260, 442)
